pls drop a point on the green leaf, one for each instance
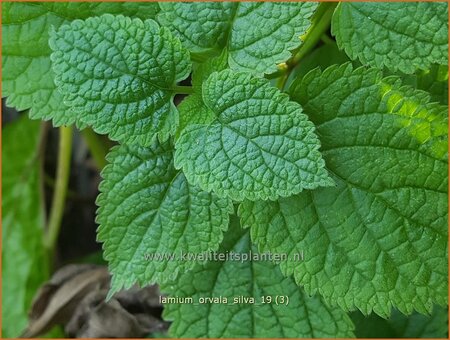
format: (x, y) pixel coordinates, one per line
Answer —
(27, 78)
(24, 261)
(146, 207)
(119, 74)
(192, 109)
(302, 316)
(259, 145)
(324, 56)
(202, 71)
(379, 238)
(257, 36)
(435, 82)
(401, 326)
(399, 36)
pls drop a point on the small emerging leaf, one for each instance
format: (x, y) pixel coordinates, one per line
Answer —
(192, 109)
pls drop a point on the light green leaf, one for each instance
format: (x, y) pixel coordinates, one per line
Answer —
(302, 316)
(202, 71)
(122, 85)
(259, 145)
(257, 36)
(27, 78)
(24, 261)
(379, 238)
(192, 109)
(400, 36)
(147, 208)
(401, 326)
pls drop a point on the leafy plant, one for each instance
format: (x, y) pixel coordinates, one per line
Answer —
(285, 141)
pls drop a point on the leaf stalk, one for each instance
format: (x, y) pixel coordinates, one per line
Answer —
(320, 23)
(61, 186)
(180, 89)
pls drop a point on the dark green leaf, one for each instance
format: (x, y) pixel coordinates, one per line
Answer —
(301, 317)
(379, 238)
(147, 208)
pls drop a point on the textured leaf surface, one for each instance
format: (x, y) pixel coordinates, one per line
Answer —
(147, 207)
(257, 36)
(260, 145)
(401, 326)
(118, 75)
(379, 238)
(202, 71)
(27, 77)
(399, 36)
(192, 109)
(304, 316)
(24, 262)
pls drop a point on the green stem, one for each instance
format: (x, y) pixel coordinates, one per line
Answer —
(96, 146)
(281, 81)
(320, 24)
(180, 89)
(59, 194)
(326, 39)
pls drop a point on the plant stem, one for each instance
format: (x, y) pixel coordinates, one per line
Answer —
(320, 23)
(61, 184)
(281, 81)
(326, 39)
(96, 146)
(180, 89)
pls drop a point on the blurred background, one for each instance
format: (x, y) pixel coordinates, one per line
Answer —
(54, 280)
